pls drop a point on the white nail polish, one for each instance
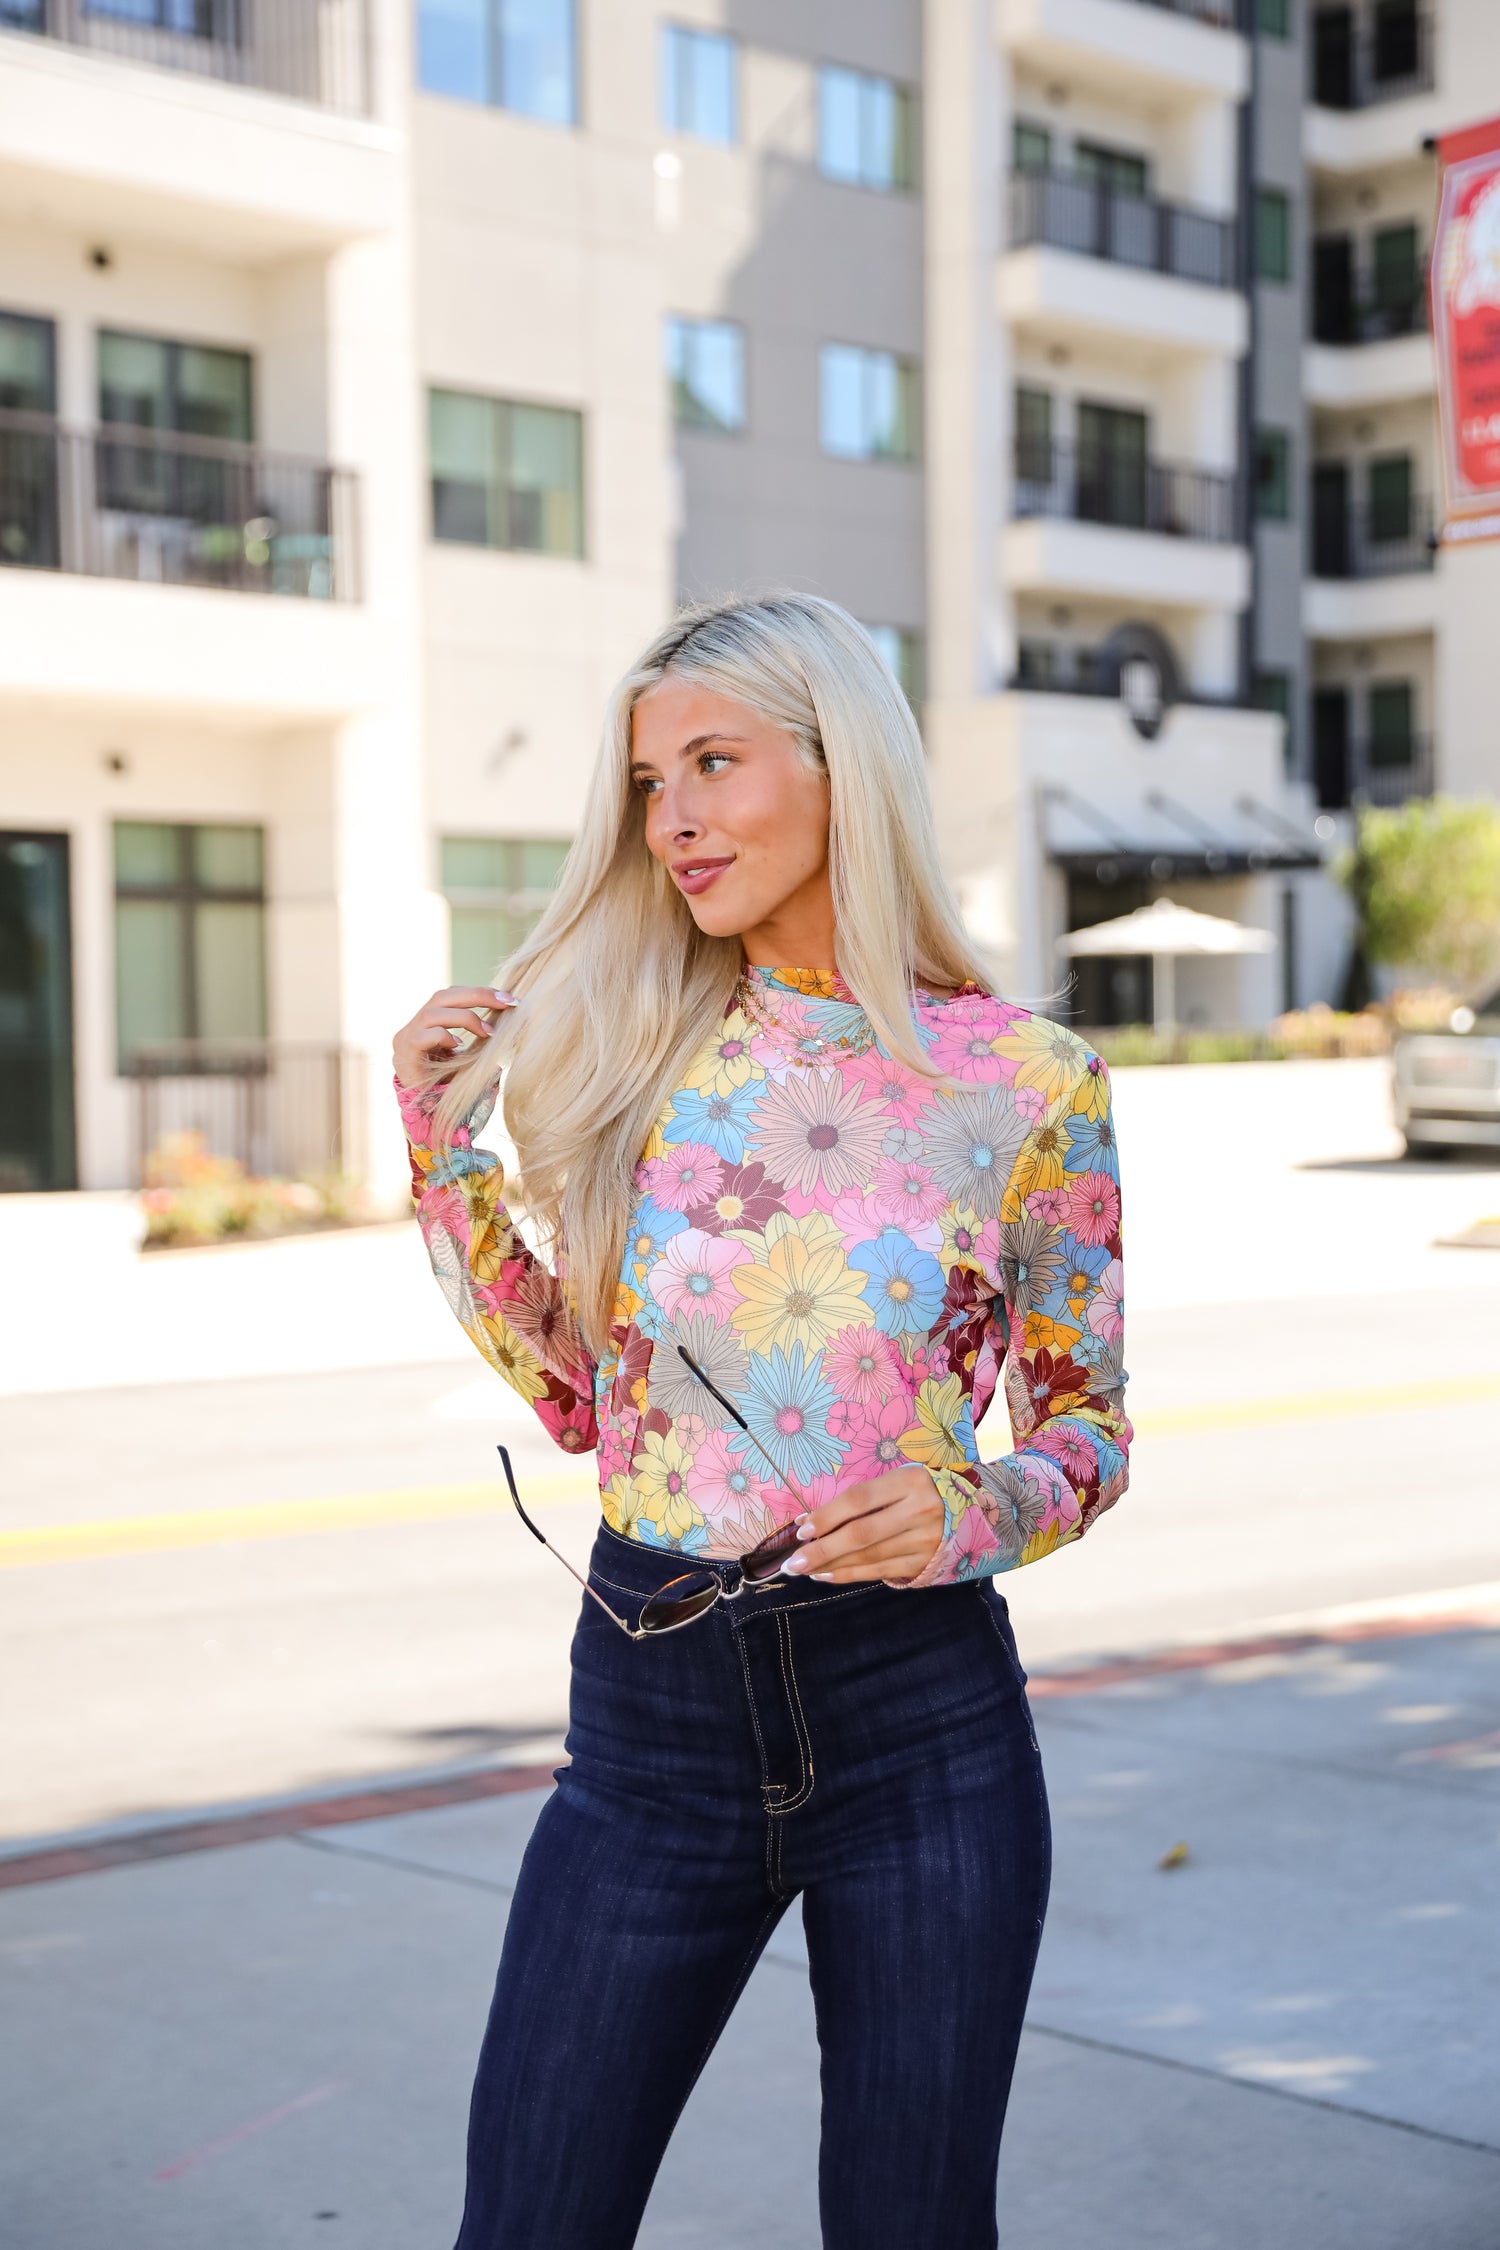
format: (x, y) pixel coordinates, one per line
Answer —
(792, 1565)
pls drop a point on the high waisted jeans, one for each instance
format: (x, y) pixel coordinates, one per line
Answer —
(868, 1750)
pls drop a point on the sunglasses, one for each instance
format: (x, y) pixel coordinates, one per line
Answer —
(683, 1600)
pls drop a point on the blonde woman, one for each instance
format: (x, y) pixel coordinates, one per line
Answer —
(808, 1189)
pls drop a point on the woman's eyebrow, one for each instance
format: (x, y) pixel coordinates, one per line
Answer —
(700, 741)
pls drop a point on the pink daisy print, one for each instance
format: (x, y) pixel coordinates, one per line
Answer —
(1093, 1208)
(874, 1437)
(1031, 1103)
(1070, 1448)
(693, 1274)
(965, 1046)
(1106, 1313)
(891, 1085)
(719, 1480)
(973, 1541)
(860, 1365)
(904, 1194)
(689, 1173)
(818, 1135)
(857, 1219)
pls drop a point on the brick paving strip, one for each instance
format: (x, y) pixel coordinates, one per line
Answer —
(1466, 1610)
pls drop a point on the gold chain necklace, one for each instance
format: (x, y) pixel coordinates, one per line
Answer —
(806, 1053)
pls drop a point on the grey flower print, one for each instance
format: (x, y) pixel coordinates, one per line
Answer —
(972, 1146)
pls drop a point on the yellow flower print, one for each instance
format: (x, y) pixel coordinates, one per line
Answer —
(815, 1228)
(1051, 1056)
(725, 1065)
(800, 1295)
(1039, 1165)
(660, 1474)
(656, 1143)
(1055, 1335)
(503, 1348)
(621, 1503)
(628, 1303)
(960, 1240)
(933, 1438)
(1044, 1542)
(1091, 1095)
(486, 1251)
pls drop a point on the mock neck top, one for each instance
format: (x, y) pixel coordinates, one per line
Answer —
(855, 1253)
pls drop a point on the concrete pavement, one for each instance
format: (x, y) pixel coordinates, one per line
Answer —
(1285, 2044)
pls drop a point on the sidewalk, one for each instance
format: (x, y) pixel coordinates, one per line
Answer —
(1286, 2043)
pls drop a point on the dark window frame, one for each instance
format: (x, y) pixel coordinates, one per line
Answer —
(187, 892)
(1275, 464)
(578, 552)
(1275, 259)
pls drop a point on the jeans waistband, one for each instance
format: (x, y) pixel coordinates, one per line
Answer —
(633, 1567)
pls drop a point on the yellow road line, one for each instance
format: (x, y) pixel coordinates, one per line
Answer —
(276, 1519)
(363, 1511)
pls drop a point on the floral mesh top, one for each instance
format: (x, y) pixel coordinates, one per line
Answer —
(853, 1255)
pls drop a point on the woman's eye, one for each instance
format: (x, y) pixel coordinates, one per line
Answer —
(711, 760)
(647, 783)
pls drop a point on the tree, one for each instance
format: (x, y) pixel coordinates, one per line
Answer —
(1425, 881)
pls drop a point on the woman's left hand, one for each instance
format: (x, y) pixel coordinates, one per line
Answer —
(889, 1528)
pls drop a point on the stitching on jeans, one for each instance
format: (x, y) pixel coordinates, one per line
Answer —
(766, 1784)
(1017, 1668)
(799, 1721)
(783, 1609)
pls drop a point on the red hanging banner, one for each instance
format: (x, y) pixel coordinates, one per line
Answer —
(1465, 285)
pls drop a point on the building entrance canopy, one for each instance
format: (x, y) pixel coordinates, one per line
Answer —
(1167, 931)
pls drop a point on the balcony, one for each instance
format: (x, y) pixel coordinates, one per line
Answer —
(167, 510)
(315, 51)
(1361, 58)
(1377, 541)
(1066, 212)
(1125, 491)
(1061, 668)
(1373, 773)
(1187, 50)
(1340, 319)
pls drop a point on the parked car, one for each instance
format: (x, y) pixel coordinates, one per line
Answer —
(1446, 1084)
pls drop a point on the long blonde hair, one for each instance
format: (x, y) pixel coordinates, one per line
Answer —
(617, 986)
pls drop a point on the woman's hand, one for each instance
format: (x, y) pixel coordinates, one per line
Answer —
(436, 1031)
(889, 1528)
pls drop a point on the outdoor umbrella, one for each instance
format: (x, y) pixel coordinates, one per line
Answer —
(1165, 930)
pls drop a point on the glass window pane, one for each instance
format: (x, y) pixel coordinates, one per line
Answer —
(229, 859)
(1391, 709)
(229, 949)
(134, 385)
(150, 986)
(476, 863)
(481, 938)
(838, 124)
(1391, 497)
(1273, 235)
(1273, 475)
(1274, 18)
(841, 403)
(1398, 268)
(213, 394)
(546, 480)
(537, 59)
(27, 362)
(706, 364)
(892, 407)
(464, 440)
(453, 48)
(1031, 147)
(541, 862)
(148, 855)
(713, 87)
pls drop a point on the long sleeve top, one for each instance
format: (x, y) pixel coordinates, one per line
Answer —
(855, 1255)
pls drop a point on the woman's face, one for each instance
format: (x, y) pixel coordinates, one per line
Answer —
(737, 817)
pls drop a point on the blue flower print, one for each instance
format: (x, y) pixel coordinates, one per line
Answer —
(718, 1121)
(652, 1227)
(1092, 1145)
(902, 1283)
(786, 1405)
(1081, 1265)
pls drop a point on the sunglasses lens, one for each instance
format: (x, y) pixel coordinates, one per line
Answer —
(679, 1601)
(764, 1561)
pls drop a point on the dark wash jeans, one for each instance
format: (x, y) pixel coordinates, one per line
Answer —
(867, 1749)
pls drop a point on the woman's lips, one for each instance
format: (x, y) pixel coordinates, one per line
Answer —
(695, 875)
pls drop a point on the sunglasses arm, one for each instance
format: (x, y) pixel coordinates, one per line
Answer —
(557, 1551)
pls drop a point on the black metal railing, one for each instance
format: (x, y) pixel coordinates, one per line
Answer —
(1339, 319)
(1060, 668)
(281, 1111)
(1362, 56)
(307, 50)
(1066, 211)
(1388, 773)
(162, 509)
(1380, 540)
(1125, 491)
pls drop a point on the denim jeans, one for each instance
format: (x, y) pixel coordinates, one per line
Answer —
(867, 1750)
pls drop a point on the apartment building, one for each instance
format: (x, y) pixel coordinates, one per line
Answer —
(375, 374)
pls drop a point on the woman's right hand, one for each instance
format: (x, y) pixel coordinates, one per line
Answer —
(435, 1033)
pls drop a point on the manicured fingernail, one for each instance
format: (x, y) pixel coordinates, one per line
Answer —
(807, 1531)
(792, 1565)
(824, 1577)
(506, 999)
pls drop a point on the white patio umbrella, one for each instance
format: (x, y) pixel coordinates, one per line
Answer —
(1166, 931)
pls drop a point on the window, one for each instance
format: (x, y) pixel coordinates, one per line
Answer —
(1030, 147)
(505, 475)
(1272, 691)
(29, 515)
(1392, 741)
(1390, 498)
(189, 935)
(1273, 475)
(706, 368)
(28, 364)
(1112, 474)
(496, 886)
(867, 404)
(1273, 235)
(1274, 18)
(1116, 169)
(514, 54)
(1396, 271)
(1033, 435)
(700, 83)
(903, 652)
(151, 383)
(864, 130)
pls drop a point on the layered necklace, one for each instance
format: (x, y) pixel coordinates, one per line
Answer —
(807, 1050)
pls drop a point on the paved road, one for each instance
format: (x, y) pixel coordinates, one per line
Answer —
(334, 1594)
